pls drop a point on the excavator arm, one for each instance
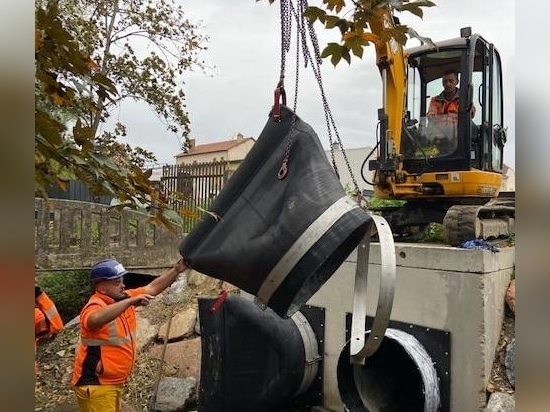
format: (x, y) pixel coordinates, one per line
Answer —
(390, 179)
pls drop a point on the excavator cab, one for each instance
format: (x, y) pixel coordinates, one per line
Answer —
(472, 139)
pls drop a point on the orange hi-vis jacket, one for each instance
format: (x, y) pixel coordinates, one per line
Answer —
(439, 106)
(105, 356)
(47, 321)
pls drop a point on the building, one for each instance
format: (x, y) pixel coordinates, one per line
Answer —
(232, 151)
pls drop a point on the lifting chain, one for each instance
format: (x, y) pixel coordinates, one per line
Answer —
(288, 12)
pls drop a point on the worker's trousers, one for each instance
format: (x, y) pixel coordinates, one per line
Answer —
(99, 398)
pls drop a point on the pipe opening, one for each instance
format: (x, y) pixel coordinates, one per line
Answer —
(398, 377)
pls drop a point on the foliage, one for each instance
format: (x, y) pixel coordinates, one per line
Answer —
(85, 65)
(350, 190)
(355, 23)
(68, 290)
(377, 203)
(145, 47)
(433, 233)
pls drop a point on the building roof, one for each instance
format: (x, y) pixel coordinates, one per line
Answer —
(214, 147)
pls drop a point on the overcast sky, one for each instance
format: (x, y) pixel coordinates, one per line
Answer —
(244, 53)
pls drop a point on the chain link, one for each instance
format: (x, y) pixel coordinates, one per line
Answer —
(288, 11)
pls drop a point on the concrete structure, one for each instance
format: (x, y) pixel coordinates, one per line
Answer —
(233, 151)
(355, 157)
(455, 290)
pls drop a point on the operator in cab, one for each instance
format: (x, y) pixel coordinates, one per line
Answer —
(446, 103)
(443, 114)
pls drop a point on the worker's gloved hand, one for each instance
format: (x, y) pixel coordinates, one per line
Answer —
(37, 291)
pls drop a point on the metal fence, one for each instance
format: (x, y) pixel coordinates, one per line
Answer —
(77, 190)
(192, 187)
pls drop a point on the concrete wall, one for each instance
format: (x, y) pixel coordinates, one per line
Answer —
(456, 290)
(75, 235)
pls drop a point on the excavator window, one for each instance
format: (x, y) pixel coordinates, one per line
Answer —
(436, 135)
(471, 135)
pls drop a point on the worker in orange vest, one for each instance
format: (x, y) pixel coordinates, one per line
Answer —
(47, 321)
(106, 353)
(443, 115)
(446, 103)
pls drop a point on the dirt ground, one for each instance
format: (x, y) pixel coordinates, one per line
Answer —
(55, 359)
(498, 381)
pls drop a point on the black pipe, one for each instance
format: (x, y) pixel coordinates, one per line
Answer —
(252, 360)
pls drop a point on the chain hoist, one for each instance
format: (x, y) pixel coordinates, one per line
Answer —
(289, 12)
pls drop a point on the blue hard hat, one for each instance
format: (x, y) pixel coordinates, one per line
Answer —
(106, 270)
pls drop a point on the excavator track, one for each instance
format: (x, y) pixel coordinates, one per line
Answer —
(493, 220)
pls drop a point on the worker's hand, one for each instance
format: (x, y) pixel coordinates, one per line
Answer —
(141, 300)
(472, 111)
(180, 265)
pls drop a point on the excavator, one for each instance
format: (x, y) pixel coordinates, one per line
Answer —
(447, 171)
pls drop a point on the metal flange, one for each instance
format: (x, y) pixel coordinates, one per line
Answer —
(359, 349)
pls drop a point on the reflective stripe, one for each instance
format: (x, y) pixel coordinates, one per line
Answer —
(46, 305)
(50, 313)
(112, 339)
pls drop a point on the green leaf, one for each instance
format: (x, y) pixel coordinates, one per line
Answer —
(313, 13)
(331, 21)
(332, 48)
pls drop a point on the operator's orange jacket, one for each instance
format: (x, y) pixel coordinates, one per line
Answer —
(439, 106)
(105, 356)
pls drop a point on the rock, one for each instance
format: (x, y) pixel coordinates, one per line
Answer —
(501, 402)
(182, 325)
(511, 296)
(510, 362)
(184, 355)
(174, 293)
(174, 394)
(145, 332)
(196, 278)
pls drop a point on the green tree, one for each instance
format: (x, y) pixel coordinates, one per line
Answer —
(351, 18)
(145, 47)
(89, 57)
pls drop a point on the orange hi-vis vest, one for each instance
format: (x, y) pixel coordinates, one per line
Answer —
(440, 106)
(47, 321)
(105, 356)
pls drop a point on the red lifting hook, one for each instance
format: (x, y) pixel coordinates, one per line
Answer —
(280, 94)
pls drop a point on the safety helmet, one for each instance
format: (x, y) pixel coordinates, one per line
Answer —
(106, 270)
